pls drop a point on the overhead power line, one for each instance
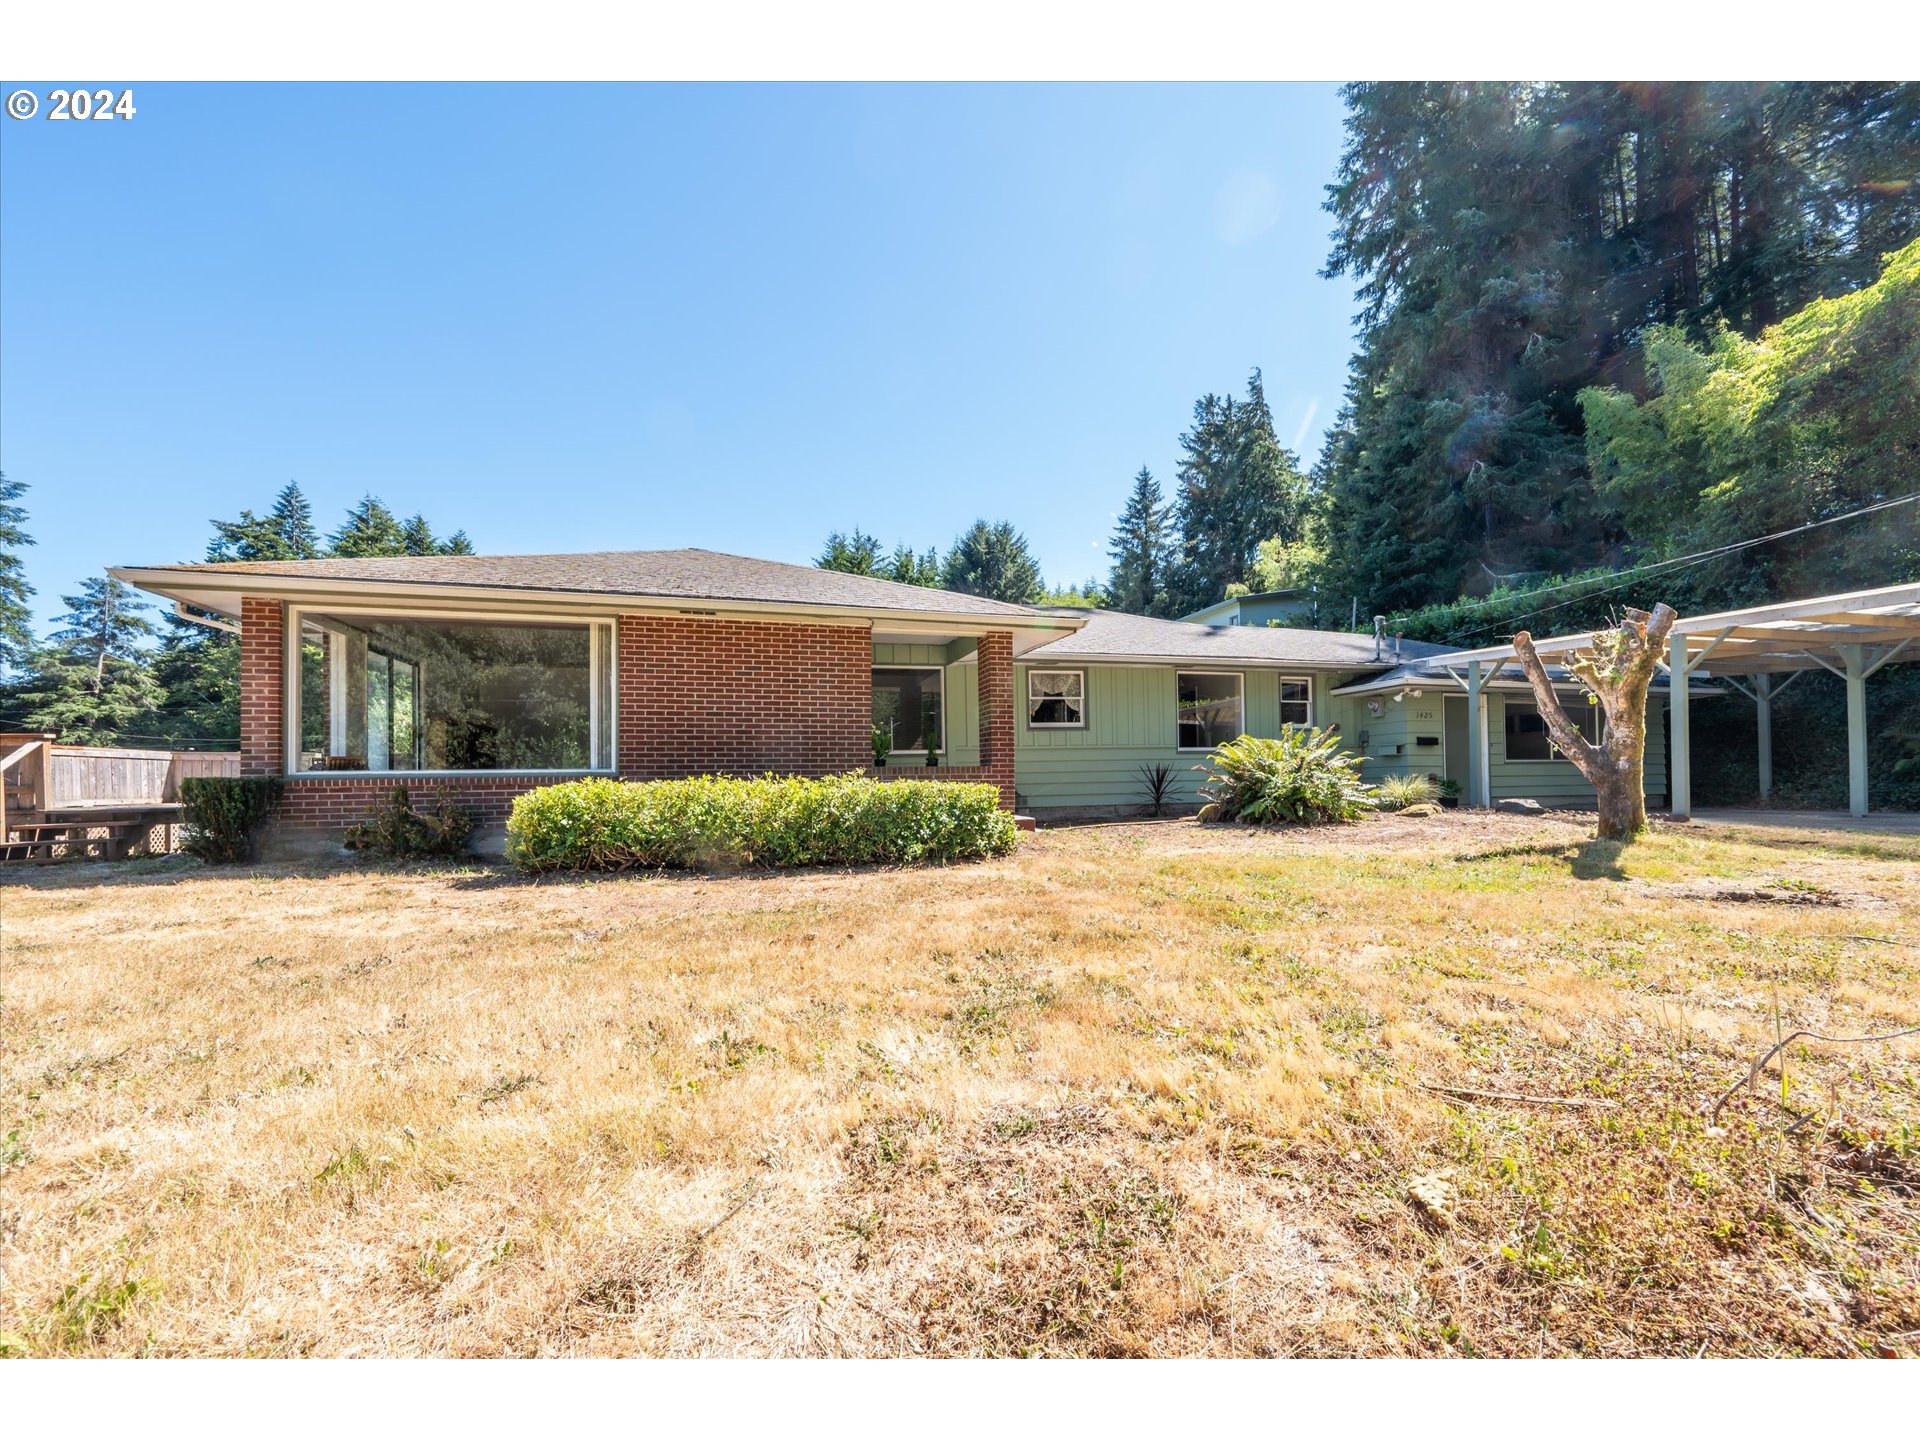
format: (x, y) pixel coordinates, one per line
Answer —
(1678, 562)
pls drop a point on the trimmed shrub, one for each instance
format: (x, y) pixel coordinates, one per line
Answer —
(1403, 792)
(1302, 778)
(401, 832)
(224, 814)
(719, 822)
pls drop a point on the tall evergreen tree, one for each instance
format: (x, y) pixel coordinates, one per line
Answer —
(286, 532)
(16, 628)
(1511, 242)
(371, 529)
(90, 681)
(993, 560)
(1142, 548)
(1238, 488)
(910, 567)
(857, 553)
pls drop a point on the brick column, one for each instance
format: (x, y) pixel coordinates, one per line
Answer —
(263, 672)
(996, 711)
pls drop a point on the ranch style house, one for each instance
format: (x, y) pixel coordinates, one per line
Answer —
(491, 675)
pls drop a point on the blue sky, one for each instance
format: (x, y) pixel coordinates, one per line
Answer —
(580, 317)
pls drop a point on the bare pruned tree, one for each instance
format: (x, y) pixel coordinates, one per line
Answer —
(1617, 666)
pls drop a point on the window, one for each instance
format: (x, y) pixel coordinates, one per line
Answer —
(1209, 708)
(400, 693)
(906, 702)
(1527, 737)
(1057, 699)
(1296, 702)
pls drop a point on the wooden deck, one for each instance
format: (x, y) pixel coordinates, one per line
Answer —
(76, 802)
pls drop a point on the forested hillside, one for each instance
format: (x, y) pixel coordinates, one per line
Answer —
(1513, 245)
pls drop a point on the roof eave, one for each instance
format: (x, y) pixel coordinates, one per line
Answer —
(206, 589)
(1077, 658)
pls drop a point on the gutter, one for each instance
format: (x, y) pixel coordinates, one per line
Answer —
(170, 582)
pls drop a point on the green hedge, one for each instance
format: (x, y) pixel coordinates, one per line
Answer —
(223, 815)
(716, 822)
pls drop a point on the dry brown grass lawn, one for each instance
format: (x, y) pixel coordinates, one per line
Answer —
(1137, 1090)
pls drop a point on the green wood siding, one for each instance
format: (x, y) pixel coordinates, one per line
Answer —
(1557, 782)
(1130, 723)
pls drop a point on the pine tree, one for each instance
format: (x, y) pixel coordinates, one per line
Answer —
(90, 682)
(198, 672)
(371, 529)
(992, 560)
(1238, 488)
(910, 567)
(1142, 548)
(417, 536)
(1512, 243)
(16, 632)
(285, 532)
(857, 553)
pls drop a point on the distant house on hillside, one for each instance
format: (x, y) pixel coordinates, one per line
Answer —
(1285, 607)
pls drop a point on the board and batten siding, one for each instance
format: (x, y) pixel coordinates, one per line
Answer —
(1557, 782)
(1131, 723)
(1390, 742)
(1132, 720)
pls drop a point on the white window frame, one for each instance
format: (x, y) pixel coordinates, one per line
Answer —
(1280, 700)
(1033, 724)
(1555, 755)
(601, 630)
(939, 670)
(1238, 676)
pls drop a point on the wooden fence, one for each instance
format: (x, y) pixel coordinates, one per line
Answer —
(91, 776)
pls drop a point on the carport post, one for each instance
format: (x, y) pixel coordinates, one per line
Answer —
(1479, 792)
(1763, 721)
(1680, 783)
(1855, 657)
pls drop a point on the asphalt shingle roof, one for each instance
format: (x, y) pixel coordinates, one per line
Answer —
(1113, 634)
(667, 574)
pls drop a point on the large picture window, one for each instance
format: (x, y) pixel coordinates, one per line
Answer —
(1527, 737)
(1209, 708)
(1057, 699)
(906, 703)
(396, 694)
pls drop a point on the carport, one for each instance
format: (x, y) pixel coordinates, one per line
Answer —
(1760, 652)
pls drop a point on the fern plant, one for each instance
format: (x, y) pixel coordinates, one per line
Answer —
(1301, 778)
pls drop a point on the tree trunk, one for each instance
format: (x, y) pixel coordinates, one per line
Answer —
(1617, 666)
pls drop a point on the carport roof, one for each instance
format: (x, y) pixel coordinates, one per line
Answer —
(1791, 635)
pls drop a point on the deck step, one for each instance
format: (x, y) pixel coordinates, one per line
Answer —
(43, 842)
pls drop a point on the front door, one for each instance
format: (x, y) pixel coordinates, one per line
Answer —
(1454, 762)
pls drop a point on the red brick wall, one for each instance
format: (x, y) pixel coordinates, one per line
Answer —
(326, 802)
(263, 674)
(696, 695)
(996, 711)
(739, 697)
